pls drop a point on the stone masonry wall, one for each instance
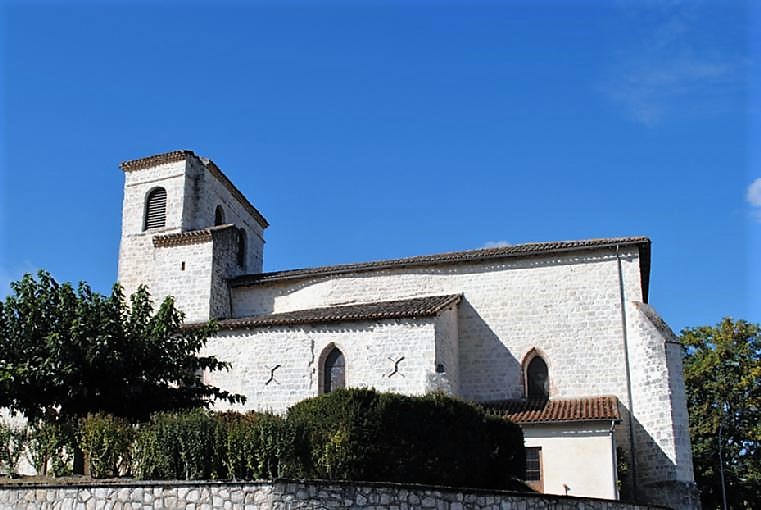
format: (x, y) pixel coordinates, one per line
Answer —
(283, 495)
(210, 193)
(447, 365)
(193, 195)
(278, 366)
(136, 246)
(567, 305)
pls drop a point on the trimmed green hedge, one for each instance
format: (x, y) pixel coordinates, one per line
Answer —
(365, 435)
(354, 434)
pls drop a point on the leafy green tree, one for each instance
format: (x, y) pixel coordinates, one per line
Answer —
(722, 367)
(65, 353)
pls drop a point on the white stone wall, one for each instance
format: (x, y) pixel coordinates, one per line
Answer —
(662, 442)
(210, 193)
(369, 349)
(136, 247)
(579, 456)
(568, 306)
(189, 286)
(447, 363)
(193, 195)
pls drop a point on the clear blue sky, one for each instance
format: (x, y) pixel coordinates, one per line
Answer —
(368, 130)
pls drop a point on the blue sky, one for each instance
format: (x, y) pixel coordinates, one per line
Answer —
(368, 130)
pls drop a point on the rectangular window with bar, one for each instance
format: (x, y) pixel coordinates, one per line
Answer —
(534, 468)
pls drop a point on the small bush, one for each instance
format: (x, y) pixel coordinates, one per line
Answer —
(189, 445)
(106, 441)
(13, 440)
(52, 447)
(258, 446)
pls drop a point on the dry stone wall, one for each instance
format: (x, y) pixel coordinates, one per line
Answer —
(283, 495)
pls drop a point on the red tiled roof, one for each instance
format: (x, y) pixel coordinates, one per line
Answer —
(556, 411)
(404, 309)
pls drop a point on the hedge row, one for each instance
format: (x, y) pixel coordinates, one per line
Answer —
(352, 434)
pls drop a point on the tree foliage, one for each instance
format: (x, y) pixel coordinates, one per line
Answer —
(65, 353)
(722, 367)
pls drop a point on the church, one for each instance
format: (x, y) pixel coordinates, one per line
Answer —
(556, 336)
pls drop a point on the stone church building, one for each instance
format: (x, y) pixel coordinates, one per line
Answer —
(557, 336)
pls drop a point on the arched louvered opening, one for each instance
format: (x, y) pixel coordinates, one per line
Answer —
(155, 209)
(537, 379)
(241, 247)
(334, 371)
(219, 216)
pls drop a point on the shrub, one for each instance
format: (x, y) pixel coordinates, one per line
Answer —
(13, 440)
(106, 441)
(52, 446)
(365, 435)
(188, 445)
(258, 446)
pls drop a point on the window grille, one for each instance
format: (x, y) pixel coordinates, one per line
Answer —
(533, 464)
(155, 209)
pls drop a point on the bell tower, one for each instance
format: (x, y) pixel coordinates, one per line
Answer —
(186, 229)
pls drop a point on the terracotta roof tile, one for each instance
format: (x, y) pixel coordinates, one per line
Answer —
(517, 250)
(192, 237)
(404, 309)
(556, 411)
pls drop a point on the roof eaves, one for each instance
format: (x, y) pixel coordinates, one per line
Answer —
(471, 256)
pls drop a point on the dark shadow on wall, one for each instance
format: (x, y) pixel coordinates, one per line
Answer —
(488, 370)
(656, 474)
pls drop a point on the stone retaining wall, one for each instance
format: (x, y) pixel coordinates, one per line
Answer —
(280, 495)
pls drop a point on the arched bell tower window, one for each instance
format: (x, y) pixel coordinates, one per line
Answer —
(155, 209)
(537, 379)
(219, 216)
(333, 371)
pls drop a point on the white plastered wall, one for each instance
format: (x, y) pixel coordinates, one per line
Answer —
(579, 456)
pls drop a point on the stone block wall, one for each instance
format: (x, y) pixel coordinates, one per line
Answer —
(566, 305)
(194, 191)
(279, 366)
(283, 495)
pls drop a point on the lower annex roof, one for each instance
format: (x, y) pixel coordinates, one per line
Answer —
(402, 309)
(556, 411)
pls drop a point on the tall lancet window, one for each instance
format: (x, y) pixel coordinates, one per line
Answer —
(334, 371)
(219, 216)
(537, 380)
(155, 209)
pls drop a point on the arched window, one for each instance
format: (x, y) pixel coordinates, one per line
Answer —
(537, 379)
(155, 209)
(334, 371)
(241, 247)
(219, 216)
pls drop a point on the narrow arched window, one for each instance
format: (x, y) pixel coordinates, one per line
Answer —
(537, 380)
(334, 371)
(241, 247)
(155, 209)
(219, 216)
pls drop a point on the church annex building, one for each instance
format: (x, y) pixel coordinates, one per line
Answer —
(556, 336)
